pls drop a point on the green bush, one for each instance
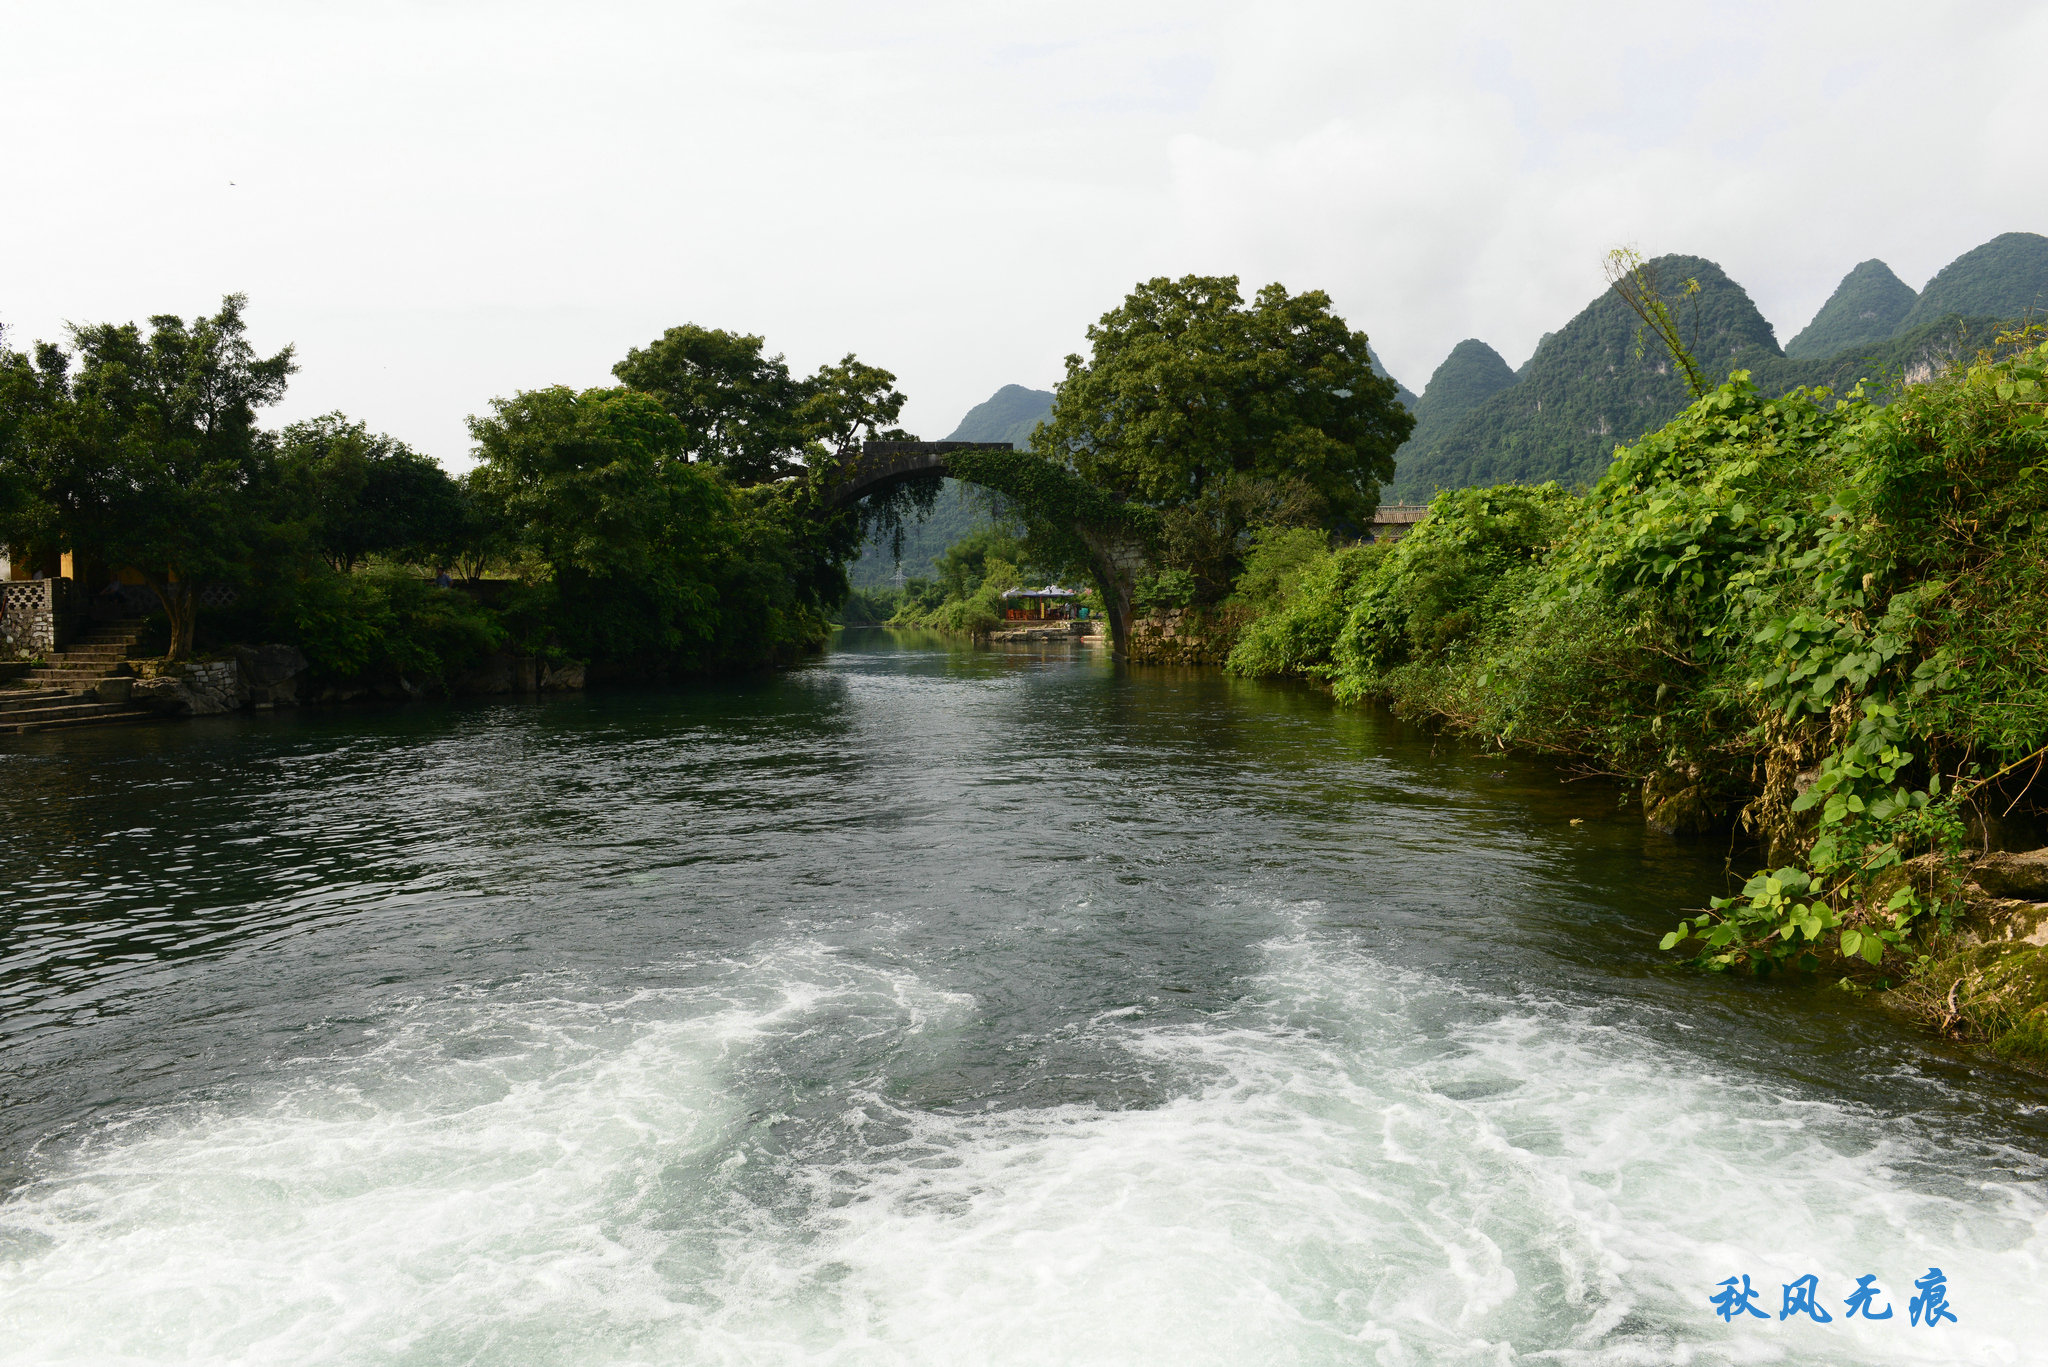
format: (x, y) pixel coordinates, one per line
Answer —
(1303, 614)
(389, 622)
(967, 596)
(1826, 617)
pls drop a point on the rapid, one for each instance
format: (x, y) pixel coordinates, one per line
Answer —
(935, 1005)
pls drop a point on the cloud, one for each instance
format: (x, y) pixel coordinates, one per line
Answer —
(444, 202)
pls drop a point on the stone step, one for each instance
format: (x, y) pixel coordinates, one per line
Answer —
(78, 676)
(60, 710)
(13, 700)
(97, 714)
(82, 653)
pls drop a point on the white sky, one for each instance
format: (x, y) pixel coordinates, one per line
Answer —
(443, 202)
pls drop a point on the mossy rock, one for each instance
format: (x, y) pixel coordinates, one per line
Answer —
(1684, 801)
(2028, 1041)
(1996, 993)
(2023, 875)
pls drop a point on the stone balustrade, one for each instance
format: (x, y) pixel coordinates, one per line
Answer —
(35, 617)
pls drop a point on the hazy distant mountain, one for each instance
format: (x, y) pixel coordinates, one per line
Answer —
(958, 511)
(2007, 277)
(1401, 391)
(1007, 415)
(1585, 390)
(1473, 373)
(1866, 307)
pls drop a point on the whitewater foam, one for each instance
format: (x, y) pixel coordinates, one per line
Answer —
(1356, 1164)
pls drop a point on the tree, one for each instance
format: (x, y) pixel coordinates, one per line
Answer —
(29, 394)
(1634, 282)
(372, 495)
(851, 401)
(17, 490)
(611, 516)
(1188, 387)
(737, 406)
(148, 456)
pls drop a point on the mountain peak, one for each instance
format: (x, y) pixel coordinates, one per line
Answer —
(1867, 307)
(1008, 415)
(1588, 388)
(2007, 277)
(1473, 373)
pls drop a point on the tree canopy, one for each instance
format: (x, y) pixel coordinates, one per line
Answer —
(741, 409)
(737, 406)
(146, 452)
(678, 525)
(1187, 386)
(373, 495)
(635, 554)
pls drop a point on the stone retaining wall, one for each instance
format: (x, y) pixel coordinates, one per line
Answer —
(197, 688)
(1184, 636)
(263, 677)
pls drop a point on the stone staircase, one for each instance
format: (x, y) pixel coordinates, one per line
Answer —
(100, 652)
(48, 709)
(61, 692)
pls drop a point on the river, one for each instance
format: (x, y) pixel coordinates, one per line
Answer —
(935, 1005)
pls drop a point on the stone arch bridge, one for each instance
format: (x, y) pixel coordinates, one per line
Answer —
(1117, 557)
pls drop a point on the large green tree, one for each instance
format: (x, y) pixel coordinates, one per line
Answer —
(742, 410)
(142, 451)
(850, 402)
(738, 407)
(371, 494)
(1188, 387)
(1196, 419)
(639, 558)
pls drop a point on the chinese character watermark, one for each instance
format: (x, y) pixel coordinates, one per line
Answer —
(1802, 1296)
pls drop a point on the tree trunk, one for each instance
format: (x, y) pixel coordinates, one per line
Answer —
(181, 608)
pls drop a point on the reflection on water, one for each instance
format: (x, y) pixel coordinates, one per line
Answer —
(930, 1004)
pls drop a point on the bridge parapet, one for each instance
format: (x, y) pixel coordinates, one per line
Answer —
(881, 464)
(1395, 520)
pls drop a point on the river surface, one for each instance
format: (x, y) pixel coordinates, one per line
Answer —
(934, 1005)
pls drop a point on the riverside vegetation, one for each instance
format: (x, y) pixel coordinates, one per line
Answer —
(1818, 617)
(1823, 619)
(670, 525)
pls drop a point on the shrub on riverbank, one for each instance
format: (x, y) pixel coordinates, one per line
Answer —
(965, 594)
(1825, 620)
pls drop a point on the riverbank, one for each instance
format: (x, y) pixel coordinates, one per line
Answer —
(1822, 623)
